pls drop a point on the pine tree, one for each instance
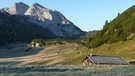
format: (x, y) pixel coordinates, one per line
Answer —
(106, 23)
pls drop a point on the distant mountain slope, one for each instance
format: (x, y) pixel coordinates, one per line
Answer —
(45, 17)
(122, 28)
(17, 28)
(90, 34)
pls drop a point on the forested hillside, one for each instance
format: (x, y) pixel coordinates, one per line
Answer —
(122, 28)
(15, 28)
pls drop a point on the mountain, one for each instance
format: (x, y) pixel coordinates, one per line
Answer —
(14, 28)
(47, 18)
(122, 28)
(17, 8)
(90, 34)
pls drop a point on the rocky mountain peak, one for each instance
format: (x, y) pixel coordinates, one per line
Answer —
(47, 18)
(37, 5)
(18, 8)
(18, 4)
(39, 11)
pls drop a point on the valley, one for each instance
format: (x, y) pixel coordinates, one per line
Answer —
(38, 41)
(54, 54)
(65, 54)
(19, 59)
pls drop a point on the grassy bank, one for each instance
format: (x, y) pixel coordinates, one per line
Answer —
(64, 70)
(123, 49)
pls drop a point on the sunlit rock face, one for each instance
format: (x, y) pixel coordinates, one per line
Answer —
(47, 18)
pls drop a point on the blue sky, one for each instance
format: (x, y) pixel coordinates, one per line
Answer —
(88, 15)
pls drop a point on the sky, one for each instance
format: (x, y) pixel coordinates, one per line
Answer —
(88, 15)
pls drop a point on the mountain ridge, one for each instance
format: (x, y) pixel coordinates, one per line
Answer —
(47, 18)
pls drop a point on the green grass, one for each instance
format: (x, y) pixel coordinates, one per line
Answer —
(67, 70)
(77, 53)
(76, 56)
(73, 53)
(125, 50)
(122, 49)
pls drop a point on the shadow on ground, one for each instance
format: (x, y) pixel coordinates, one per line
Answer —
(132, 62)
(10, 63)
(18, 50)
(29, 51)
